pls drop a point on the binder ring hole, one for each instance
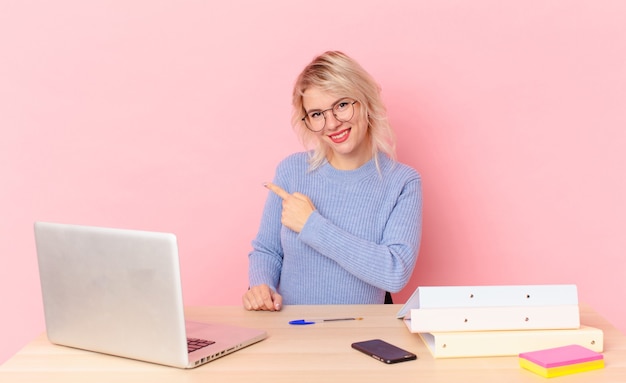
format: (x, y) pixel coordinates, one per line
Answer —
(527, 296)
(471, 295)
(444, 345)
(526, 319)
(593, 342)
(465, 320)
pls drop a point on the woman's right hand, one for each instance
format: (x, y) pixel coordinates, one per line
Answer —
(262, 298)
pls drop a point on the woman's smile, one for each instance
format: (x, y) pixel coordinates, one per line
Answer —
(340, 136)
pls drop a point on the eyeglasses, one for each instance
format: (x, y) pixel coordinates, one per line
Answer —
(343, 110)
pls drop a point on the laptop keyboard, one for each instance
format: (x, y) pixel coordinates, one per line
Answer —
(194, 344)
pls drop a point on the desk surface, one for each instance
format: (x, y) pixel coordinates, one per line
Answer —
(315, 353)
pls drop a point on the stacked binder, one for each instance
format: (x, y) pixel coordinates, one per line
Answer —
(473, 321)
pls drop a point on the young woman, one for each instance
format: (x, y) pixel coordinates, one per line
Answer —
(342, 224)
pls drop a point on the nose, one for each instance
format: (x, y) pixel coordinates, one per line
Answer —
(331, 120)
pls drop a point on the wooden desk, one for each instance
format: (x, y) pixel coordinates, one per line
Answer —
(295, 354)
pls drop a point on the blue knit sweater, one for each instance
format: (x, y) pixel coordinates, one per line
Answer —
(361, 240)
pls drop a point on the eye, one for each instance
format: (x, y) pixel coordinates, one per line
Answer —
(315, 115)
(341, 105)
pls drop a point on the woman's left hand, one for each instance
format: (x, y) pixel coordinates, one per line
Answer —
(297, 207)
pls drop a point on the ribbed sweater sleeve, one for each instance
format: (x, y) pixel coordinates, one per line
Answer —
(361, 241)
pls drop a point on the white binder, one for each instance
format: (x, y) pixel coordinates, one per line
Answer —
(490, 296)
(493, 318)
(508, 343)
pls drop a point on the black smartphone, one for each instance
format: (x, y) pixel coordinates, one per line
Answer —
(383, 351)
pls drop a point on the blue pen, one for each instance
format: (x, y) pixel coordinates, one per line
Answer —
(299, 322)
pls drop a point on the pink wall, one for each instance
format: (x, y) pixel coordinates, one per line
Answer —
(168, 115)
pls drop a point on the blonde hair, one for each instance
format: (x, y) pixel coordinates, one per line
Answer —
(336, 73)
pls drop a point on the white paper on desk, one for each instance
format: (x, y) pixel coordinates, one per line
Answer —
(490, 296)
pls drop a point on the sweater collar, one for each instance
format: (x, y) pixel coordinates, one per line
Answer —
(366, 170)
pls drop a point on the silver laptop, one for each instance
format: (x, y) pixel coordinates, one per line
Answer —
(118, 292)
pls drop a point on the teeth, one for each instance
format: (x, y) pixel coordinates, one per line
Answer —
(340, 135)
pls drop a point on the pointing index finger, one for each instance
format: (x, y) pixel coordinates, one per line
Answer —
(278, 190)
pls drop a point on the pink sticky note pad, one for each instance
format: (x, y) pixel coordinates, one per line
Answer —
(561, 356)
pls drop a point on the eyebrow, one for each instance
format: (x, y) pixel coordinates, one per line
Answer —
(319, 110)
